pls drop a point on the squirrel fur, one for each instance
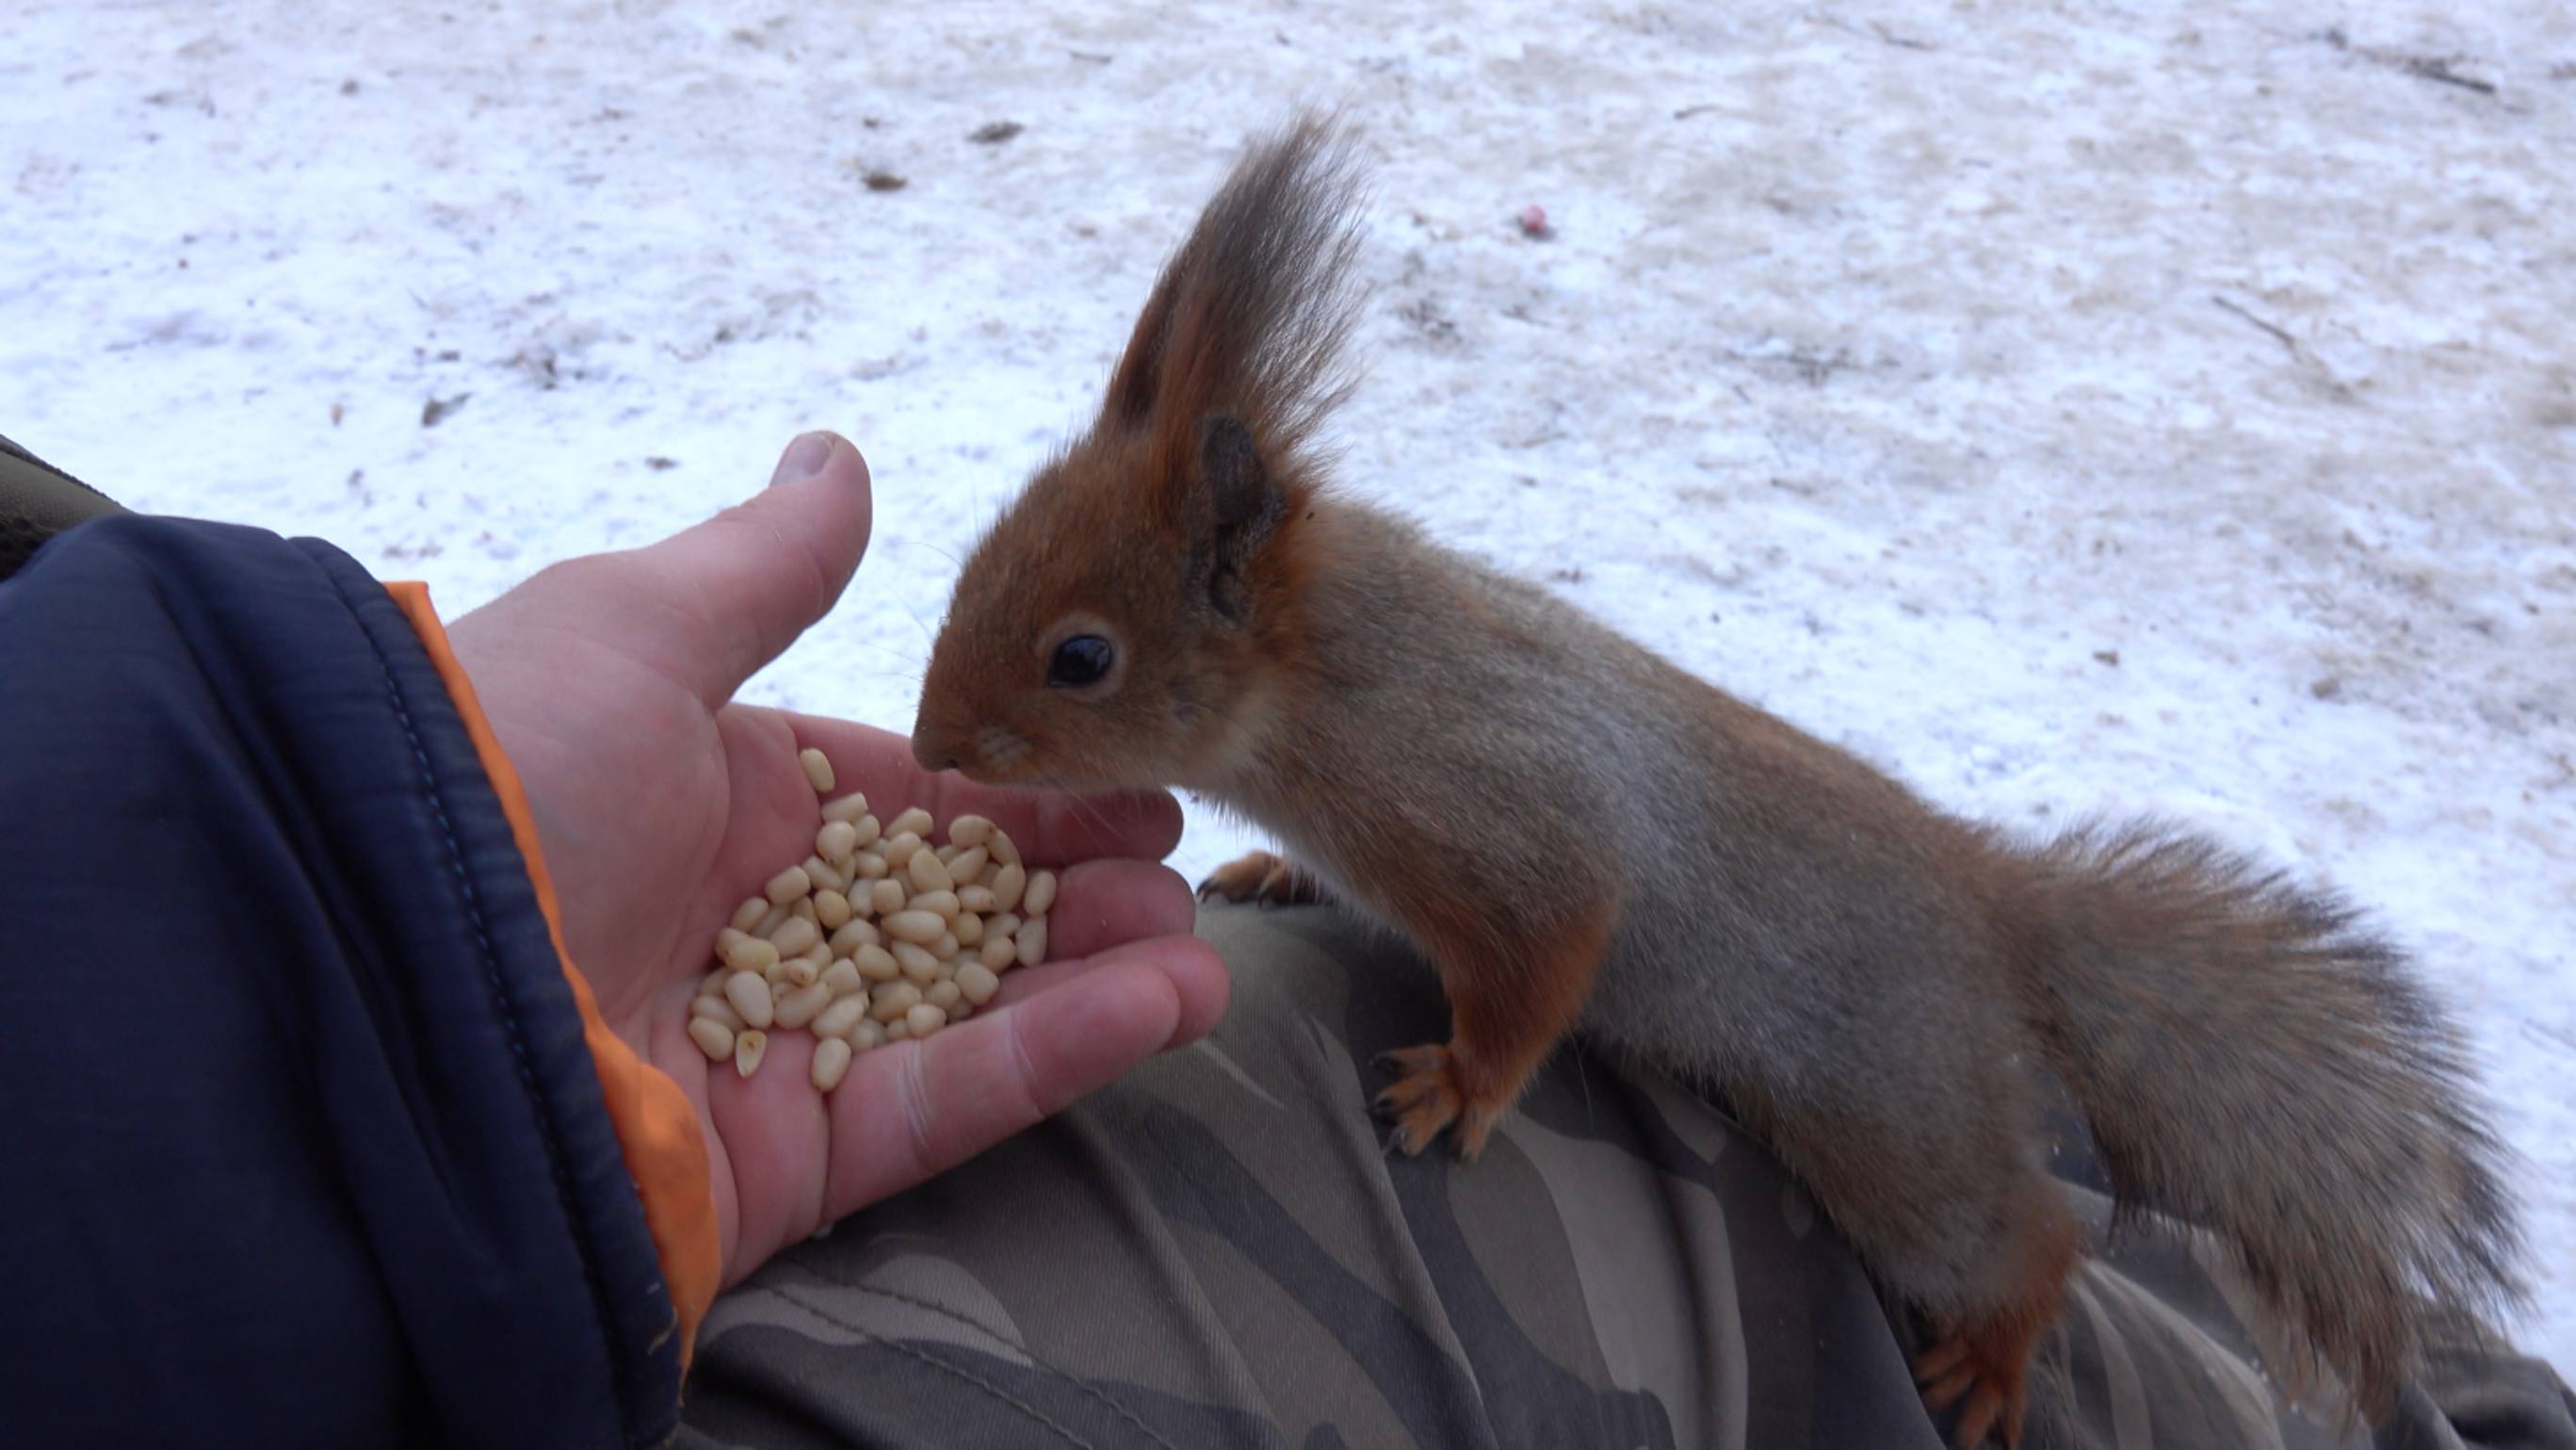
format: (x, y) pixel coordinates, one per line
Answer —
(1583, 838)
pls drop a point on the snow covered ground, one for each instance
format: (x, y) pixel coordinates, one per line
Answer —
(2074, 406)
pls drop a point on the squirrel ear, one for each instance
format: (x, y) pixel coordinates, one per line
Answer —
(1240, 503)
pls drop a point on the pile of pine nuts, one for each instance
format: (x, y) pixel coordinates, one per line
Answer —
(877, 936)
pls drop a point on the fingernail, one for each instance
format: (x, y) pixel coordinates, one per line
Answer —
(804, 458)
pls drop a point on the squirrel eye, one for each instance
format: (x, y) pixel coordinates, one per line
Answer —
(1081, 660)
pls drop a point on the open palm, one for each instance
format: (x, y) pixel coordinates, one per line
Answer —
(660, 805)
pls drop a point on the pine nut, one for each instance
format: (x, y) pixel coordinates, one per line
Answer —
(822, 875)
(880, 935)
(751, 954)
(800, 1006)
(831, 910)
(840, 1017)
(818, 769)
(718, 1008)
(889, 1002)
(712, 1037)
(917, 964)
(831, 1061)
(797, 935)
(928, 874)
(750, 998)
(917, 927)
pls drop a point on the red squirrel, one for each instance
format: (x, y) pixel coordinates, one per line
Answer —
(1582, 837)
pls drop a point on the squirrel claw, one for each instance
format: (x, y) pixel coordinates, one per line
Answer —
(1425, 1100)
(1265, 879)
(1996, 1392)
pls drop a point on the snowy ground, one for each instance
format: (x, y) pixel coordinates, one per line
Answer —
(2146, 405)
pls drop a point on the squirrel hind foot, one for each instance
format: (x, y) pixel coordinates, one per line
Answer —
(1426, 1099)
(1984, 1368)
(1266, 879)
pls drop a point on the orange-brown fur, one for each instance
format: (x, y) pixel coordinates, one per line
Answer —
(1583, 837)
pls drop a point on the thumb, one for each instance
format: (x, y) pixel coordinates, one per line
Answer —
(760, 573)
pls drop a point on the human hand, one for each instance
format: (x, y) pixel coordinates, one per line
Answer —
(660, 806)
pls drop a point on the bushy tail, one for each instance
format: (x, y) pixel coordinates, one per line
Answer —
(2254, 1060)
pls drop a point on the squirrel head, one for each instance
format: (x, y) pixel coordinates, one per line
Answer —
(1123, 621)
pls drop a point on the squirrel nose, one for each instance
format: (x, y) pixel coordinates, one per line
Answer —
(932, 758)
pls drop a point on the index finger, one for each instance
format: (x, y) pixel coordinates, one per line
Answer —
(1051, 828)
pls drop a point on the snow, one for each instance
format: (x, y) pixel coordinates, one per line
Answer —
(2124, 406)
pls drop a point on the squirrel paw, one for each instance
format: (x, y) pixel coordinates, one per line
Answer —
(1992, 1377)
(1425, 1098)
(1266, 879)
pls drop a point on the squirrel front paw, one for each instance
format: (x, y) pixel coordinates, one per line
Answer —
(1426, 1098)
(1265, 878)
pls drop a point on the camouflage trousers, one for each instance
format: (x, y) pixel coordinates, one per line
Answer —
(1219, 1252)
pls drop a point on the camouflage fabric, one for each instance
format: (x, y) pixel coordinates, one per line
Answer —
(1218, 1252)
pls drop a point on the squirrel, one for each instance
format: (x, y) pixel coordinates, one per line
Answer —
(1582, 837)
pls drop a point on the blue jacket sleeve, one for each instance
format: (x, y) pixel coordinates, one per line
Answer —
(302, 1143)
